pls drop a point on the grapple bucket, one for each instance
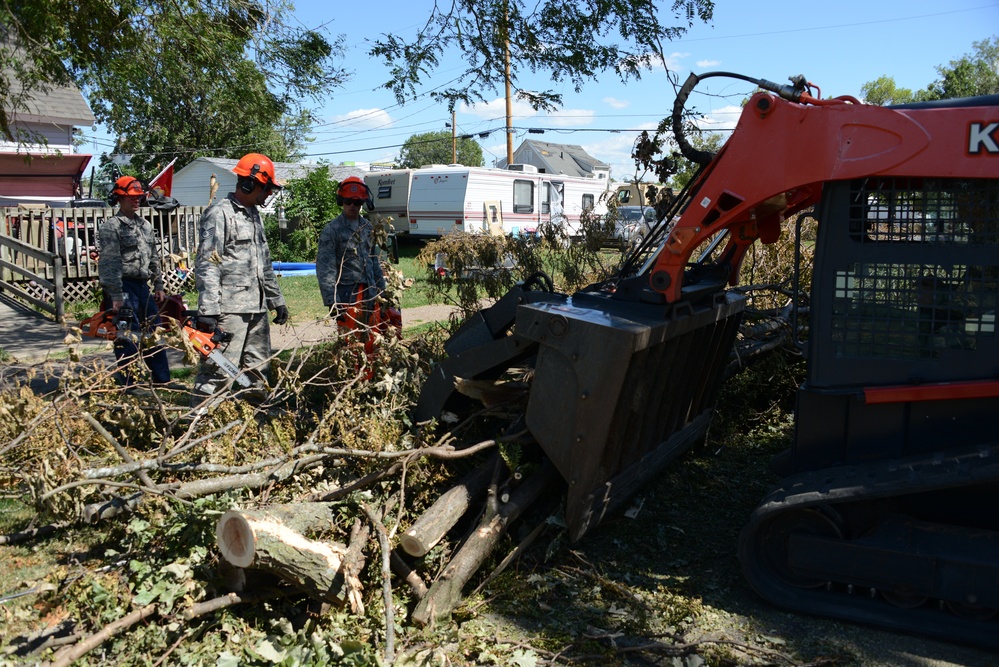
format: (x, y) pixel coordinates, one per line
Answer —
(619, 388)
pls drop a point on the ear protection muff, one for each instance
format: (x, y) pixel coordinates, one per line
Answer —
(248, 182)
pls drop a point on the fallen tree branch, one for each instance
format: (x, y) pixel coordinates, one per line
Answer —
(440, 517)
(445, 593)
(401, 568)
(228, 600)
(41, 531)
(122, 452)
(68, 655)
(383, 542)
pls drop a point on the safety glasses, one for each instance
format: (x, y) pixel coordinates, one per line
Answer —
(353, 202)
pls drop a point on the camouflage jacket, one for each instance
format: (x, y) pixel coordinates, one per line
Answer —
(233, 271)
(347, 255)
(128, 250)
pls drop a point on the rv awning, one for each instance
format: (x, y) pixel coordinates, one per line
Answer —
(43, 176)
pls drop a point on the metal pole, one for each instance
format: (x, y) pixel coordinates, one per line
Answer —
(454, 141)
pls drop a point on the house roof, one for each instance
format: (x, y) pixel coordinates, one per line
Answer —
(564, 158)
(54, 103)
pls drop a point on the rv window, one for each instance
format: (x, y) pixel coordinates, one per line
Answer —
(587, 202)
(523, 197)
(384, 191)
(546, 197)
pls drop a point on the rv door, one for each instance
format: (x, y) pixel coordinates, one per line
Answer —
(554, 205)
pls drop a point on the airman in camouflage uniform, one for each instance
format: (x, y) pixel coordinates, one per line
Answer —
(128, 261)
(234, 276)
(347, 258)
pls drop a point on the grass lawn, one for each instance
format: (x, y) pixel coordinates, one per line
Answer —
(305, 303)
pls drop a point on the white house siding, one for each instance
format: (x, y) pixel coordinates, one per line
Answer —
(192, 184)
(58, 137)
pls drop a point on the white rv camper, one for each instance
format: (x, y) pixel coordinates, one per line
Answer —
(517, 200)
(390, 193)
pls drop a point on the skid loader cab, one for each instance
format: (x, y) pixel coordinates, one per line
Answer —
(902, 349)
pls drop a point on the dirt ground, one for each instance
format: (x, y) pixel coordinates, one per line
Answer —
(295, 335)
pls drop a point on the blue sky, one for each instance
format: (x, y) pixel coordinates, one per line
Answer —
(837, 45)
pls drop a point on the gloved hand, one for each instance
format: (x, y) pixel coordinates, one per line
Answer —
(280, 314)
(124, 313)
(207, 323)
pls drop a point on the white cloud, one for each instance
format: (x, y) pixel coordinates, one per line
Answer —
(363, 119)
(708, 63)
(615, 103)
(570, 117)
(724, 118)
(672, 61)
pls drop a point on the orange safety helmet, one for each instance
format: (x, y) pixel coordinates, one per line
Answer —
(352, 187)
(259, 168)
(128, 186)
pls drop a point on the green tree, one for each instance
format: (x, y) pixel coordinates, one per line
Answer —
(572, 41)
(883, 92)
(172, 78)
(309, 203)
(973, 74)
(436, 148)
(684, 168)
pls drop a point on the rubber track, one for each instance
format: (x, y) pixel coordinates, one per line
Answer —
(868, 482)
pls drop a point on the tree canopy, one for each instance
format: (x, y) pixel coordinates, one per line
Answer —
(436, 148)
(172, 78)
(883, 92)
(975, 73)
(572, 41)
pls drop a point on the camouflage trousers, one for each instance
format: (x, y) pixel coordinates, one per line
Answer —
(249, 350)
(145, 318)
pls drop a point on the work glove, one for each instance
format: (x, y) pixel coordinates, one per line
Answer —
(280, 314)
(207, 323)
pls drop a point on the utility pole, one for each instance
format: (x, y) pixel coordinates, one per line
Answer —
(509, 103)
(454, 140)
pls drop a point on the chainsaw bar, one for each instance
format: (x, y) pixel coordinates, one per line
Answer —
(231, 369)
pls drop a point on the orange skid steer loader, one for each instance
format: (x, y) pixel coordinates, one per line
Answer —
(886, 513)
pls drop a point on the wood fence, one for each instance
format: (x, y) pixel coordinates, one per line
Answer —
(48, 256)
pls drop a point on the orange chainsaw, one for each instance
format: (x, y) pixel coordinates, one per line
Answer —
(103, 324)
(208, 342)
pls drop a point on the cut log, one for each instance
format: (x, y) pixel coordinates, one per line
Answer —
(445, 593)
(446, 511)
(273, 540)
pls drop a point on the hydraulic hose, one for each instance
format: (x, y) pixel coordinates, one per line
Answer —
(791, 92)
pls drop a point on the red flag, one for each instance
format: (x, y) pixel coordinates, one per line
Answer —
(163, 183)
